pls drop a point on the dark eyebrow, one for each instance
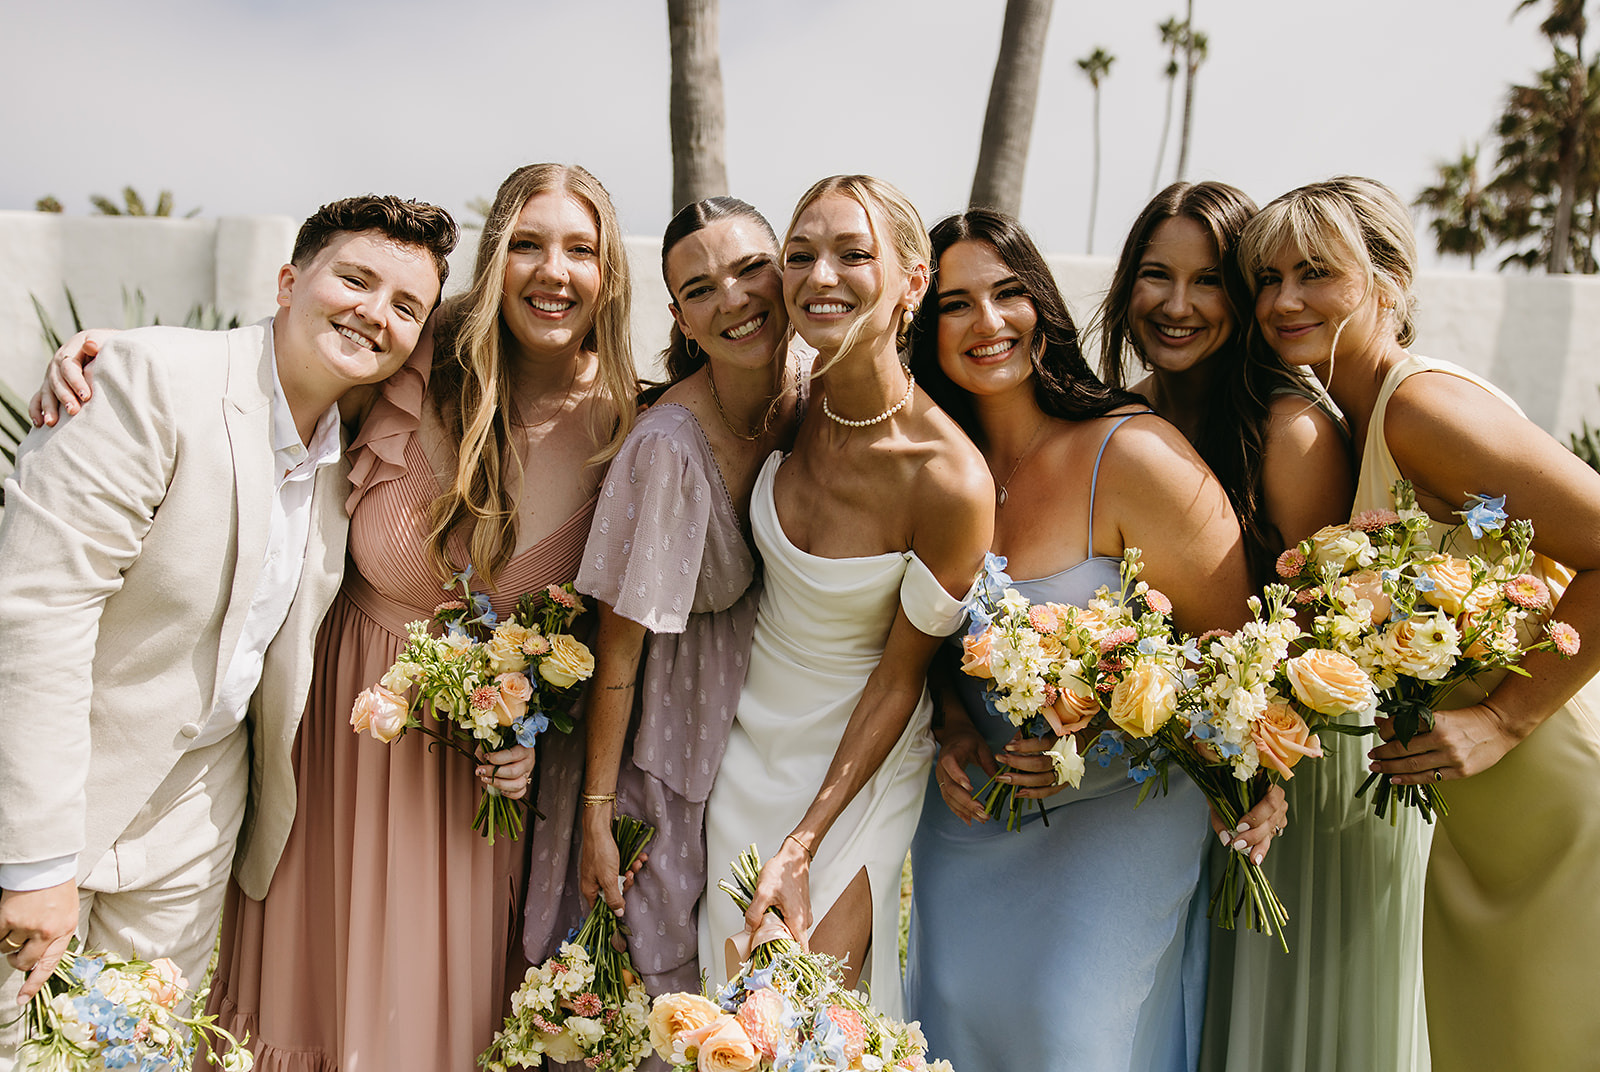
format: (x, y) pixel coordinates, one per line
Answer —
(737, 267)
(996, 285)
(371, 273)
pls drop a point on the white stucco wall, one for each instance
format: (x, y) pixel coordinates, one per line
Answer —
(1536, 337)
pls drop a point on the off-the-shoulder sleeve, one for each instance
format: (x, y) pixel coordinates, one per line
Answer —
(378, 453)
(649, 532)
(927, 605)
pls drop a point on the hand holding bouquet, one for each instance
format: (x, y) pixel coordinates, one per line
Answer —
(786, 1011)
(104, 1011)
(585, 1003)
(486, 684)
(1053, 668)
(1422, 622)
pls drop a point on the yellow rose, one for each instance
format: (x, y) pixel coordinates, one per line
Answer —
(1329, 683)
(675, 1015)
(568, 663)
(505, 652)
(1452, 585)
(1282, 738)
(728, 1049)
(975, 654)
(1424, 646)
(1144, 699)
(1339, 545)
(561, 1047)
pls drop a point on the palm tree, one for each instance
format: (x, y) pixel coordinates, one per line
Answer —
(133, 204)
(1194, 54)
(1013, 93)
(1537, 205)
(1566, 19)
(1463, 213)
(695, 109)
(1097, 65)
(1173, 34)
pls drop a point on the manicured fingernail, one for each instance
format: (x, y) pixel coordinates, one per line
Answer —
(1241, 845)
(1259, 857)
(1241, 828)
(1222, 836)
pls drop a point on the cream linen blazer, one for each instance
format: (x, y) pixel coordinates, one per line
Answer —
(131, 544)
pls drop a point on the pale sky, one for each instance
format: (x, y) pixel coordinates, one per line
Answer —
(275, 106)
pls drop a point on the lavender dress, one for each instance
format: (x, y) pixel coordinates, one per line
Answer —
(666, 550)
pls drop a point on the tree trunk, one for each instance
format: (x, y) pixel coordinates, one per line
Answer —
(1188, 91)
(1094, 181)
(1166, 131)
(1567, 156)
(1008, 124)
(699, 168)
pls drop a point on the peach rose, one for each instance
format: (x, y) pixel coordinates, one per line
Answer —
(1144, 699)
(728, 1049)
(1424, 646)
(675, 1015)
(1368, 585)
(761, 1016)
(165, 982)
(568, 663)
(1452, 585)
(1329, 683)
(975, 655)
(381, 712)
(1074, 705)
(1282, 737)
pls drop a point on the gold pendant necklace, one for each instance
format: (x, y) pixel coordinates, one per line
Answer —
(1000, 493)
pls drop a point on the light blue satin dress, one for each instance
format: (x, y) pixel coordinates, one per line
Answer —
(1077, 945)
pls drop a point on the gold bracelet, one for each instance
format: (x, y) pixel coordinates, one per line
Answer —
(797, 841)
(595, 800)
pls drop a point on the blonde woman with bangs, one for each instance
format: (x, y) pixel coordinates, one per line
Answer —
(1509, 933)
(871, 532)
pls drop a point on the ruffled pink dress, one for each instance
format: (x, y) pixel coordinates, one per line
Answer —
(389, 937)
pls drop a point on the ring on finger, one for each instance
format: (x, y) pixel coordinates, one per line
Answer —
(1437, 774)
(9, 948)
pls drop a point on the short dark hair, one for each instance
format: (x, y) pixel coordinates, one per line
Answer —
(412, 223)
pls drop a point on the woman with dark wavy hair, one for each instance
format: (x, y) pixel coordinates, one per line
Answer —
(1093, 954)
(1179, 308)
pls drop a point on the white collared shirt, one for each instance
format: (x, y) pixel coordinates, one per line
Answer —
(289, 529)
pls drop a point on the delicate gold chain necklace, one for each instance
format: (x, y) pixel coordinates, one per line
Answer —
(1000, 493)
(911, 385)
(772, 405)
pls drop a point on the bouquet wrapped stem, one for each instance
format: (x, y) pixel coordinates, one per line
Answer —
(1411, 709)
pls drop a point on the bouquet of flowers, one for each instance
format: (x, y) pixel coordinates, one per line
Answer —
(586, 1002)
(786, 1011)
(105, 1011)
(1254, 708)
(1053, 668)
(486, 684)
(1422, 622)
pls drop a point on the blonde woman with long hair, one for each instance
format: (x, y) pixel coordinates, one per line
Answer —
(871, 532)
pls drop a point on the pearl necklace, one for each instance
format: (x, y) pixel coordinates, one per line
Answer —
(911, 385)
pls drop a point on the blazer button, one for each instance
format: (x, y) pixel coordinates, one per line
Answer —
(190, 730)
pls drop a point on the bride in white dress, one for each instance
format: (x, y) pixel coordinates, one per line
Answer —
(871, 531)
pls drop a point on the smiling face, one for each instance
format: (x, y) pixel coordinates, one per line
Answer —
(835, 270)
(1178, 312)
(986, 320)
(1301, 303)
(727, 294)
(352, 313)
(552, 278)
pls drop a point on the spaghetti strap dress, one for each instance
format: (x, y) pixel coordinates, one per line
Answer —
(820, 632)
(386, 939)
(1511, 926)
(1075, 945)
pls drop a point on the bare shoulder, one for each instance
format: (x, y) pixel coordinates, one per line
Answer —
(952, 470)
(1434, 412)
(1145, 446)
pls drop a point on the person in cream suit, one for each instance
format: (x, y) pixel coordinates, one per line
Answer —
(166, 556)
